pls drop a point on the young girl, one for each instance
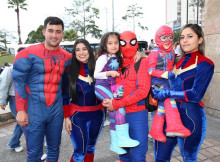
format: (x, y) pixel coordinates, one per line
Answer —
(193, 75)
(107, 64)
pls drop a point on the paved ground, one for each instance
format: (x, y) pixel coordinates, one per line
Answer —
(209, 152)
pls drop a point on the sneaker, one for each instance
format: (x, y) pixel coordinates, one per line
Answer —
(18, 149)
(106, 123)
(150, 138)
(43, 157)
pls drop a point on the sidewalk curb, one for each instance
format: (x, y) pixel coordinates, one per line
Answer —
(6, 118)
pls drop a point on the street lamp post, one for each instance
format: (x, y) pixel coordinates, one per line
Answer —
(113, 16)
(197, 11)
(106, 12)
(187, 7)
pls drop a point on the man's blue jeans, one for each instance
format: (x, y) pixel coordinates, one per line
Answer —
(15, 140)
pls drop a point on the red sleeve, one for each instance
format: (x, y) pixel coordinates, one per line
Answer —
(153, 58)
(66, 111)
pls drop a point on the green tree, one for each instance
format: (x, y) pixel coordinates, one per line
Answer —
(134, 12)
(5, 37)
(176, 35)
(35, 36)
(84, 18)
(18, 4)
(70, 35)
(194, 3)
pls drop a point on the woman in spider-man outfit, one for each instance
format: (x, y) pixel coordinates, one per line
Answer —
(136, 88)
(193, 75)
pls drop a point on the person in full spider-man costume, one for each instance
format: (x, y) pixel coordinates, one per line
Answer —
(37, 75)
(161, 61)
(136, 88)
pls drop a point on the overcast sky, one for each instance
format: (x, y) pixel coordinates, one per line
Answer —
(38, 10)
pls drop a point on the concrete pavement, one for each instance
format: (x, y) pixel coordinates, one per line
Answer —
(209, 152)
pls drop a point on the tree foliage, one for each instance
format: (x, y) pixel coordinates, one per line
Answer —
(35, 36)
(134, 12)
(70, 35)
(84, 18)
(176, 35)
(17, 5)
(5, 37)
(193, 3)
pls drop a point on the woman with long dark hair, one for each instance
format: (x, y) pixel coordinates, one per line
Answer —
(193, 75)
(83, 112)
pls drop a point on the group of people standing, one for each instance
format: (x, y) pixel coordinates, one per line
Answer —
(44, 74)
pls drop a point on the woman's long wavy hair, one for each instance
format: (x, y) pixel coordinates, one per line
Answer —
(103, 46)
(198, 30)
(75, 68)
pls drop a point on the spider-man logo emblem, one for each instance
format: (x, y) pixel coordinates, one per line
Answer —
(53, 69)
(125, 71)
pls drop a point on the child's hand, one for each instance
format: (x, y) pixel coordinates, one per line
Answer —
(108, 104)
(113, 74)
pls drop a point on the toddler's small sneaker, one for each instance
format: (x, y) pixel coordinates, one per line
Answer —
(150, 138)
(18, 149)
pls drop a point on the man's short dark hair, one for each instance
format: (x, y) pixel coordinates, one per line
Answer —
(53, 21)
(20, 48)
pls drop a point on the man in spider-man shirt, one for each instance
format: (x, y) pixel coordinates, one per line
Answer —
(136, 88)
(37, 74)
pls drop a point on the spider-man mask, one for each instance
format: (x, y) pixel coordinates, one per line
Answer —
(164, 37)
(128, 44)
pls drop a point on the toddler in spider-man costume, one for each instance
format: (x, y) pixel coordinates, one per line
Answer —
(161, 61)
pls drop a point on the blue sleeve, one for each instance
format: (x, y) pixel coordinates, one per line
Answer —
(65, 88)
(21, 69)
(202, 79)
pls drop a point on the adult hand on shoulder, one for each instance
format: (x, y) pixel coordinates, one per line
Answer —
(22, 118)
(2, 107)
(108, 104)
(68, 126)
(137, 56)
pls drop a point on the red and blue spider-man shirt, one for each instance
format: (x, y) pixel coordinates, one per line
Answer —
(37, 76)
(136, 86)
